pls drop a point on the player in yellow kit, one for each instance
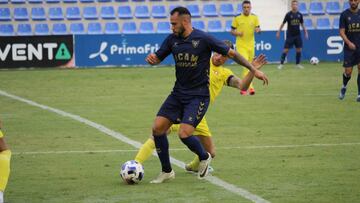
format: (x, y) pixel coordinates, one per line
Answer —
(219, 77)
(5, 155)
(243, 27)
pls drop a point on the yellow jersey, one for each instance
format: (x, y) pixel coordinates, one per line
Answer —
(218, 79)
(246, 25)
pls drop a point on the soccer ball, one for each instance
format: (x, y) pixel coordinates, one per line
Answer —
(132, 172)
(314, 60)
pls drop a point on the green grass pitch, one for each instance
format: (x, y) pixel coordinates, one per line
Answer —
(298, 109)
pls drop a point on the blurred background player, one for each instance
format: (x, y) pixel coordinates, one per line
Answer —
(293, 35)
(350, 33)
(5, 155)
(219, 77)
(243, 27)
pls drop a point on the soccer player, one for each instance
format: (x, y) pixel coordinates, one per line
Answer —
(5, 155)
(243, 27)
(350, 33)
(219, 77)
(293, 35)
(189, 100)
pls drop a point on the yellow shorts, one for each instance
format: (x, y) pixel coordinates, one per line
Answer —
(201, 129)
(1, 134)
(248, 54)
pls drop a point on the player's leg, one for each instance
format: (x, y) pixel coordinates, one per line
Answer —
(348, 67)
(245, 53)
(287, 45)
(298, 46)
(251, 57)
(358, 83)
(5, 156)
(194, 111)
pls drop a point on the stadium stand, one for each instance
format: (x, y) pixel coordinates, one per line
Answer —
(129, 28)
(56, 13)
(308, 24)
(90, 13)
(73, 13)
(209, 10)
(163, 27)
(323, 24)
(94, 28)
(146, 27)
(112, 28)
(335, 23)
(303, 8)
(226, 9)
(7, 30)
(158, 11)
(316, 8)
(5, 14)
(42, 29)
(333, 8)
(77, 28)
(59, 29)
(124, 12)
(142, 12)
(215, 26)
(24, 29)
(21, 14)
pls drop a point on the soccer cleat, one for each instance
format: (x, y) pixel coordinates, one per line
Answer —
(204, 167)
(162, 177)
(1, 197)
(299, 66)
(281, 66)
(188, 168)
(358, 98)
(251, 91)
(243, 92)
(342, 93)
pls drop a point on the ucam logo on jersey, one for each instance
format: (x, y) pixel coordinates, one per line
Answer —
(116, 50)
(36, 51)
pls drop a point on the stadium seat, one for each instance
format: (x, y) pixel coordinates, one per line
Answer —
(94, 28)
(226, 9)
(41, 29)
(142, 12)
(107, 12)
(336, 23)
(323, 24)
(333, 8)
(158, 11)
(346, 5)
(121, 0)
(316, 8)
(24, 29)
(56, 13)
(146, 27)
(155, 0)
(112, 28)
(52, 1)
(35, 1)
(308, 24)
(73, 13)
(124, 12)
(70, 1)
(3, 1)
(59, 29)
(17, 1)
(90, 13)
(228, 25)
(87, 1)
(129, 28)
(6, 30)
(215, 26)
(239, 9)
(103, 1)
(38, 13)
(21, 13)
(194, 10)
(200, 25)
(163, 27)
(303, 8)
(209, 10)
(5, 14)
(77, 28)
(138, 0)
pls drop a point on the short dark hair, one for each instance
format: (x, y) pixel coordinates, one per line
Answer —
(229, 43)
(181, 11)
(246, 2)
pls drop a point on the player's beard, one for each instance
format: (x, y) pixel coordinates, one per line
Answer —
(354, 6)
(181, 31)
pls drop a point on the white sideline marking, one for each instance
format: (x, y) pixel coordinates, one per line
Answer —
(185, 149)
(212, 179)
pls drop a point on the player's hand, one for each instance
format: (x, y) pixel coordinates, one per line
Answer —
(259, 61)
(306, 35)
(261, 76)
(240, 34)
(152, 59)
(257, 30)
(278, 35)
(352, 46)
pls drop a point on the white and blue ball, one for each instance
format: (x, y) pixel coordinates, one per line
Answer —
(132, 172)
(314, 60)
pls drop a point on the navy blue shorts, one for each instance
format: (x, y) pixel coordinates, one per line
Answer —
(184, 109)
(351, 57)
(291, 41)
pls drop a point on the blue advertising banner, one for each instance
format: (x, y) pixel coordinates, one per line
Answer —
(124, 50)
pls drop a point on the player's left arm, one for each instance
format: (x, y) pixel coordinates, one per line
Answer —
(257, 25)
(304, 28)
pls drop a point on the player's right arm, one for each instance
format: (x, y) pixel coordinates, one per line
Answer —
(281, 27)
(343, 34)
(161, 54)
(233, 31)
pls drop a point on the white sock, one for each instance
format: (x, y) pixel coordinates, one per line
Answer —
(1, 197)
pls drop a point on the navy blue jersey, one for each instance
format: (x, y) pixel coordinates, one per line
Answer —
(293, 21)
(192, 60)
(351, 23)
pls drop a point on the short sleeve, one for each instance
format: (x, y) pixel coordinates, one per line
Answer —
(234, 24)
(227, 75)
(342, 23)
(301, 19)
(217, 45)
(165, 49)
(257, 22)
(285, 19)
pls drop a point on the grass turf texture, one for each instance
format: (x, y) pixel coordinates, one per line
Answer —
(298, 107)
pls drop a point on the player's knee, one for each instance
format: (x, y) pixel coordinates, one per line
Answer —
(212, 153)
(348, 71)
(157, 130)
(183, 133)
